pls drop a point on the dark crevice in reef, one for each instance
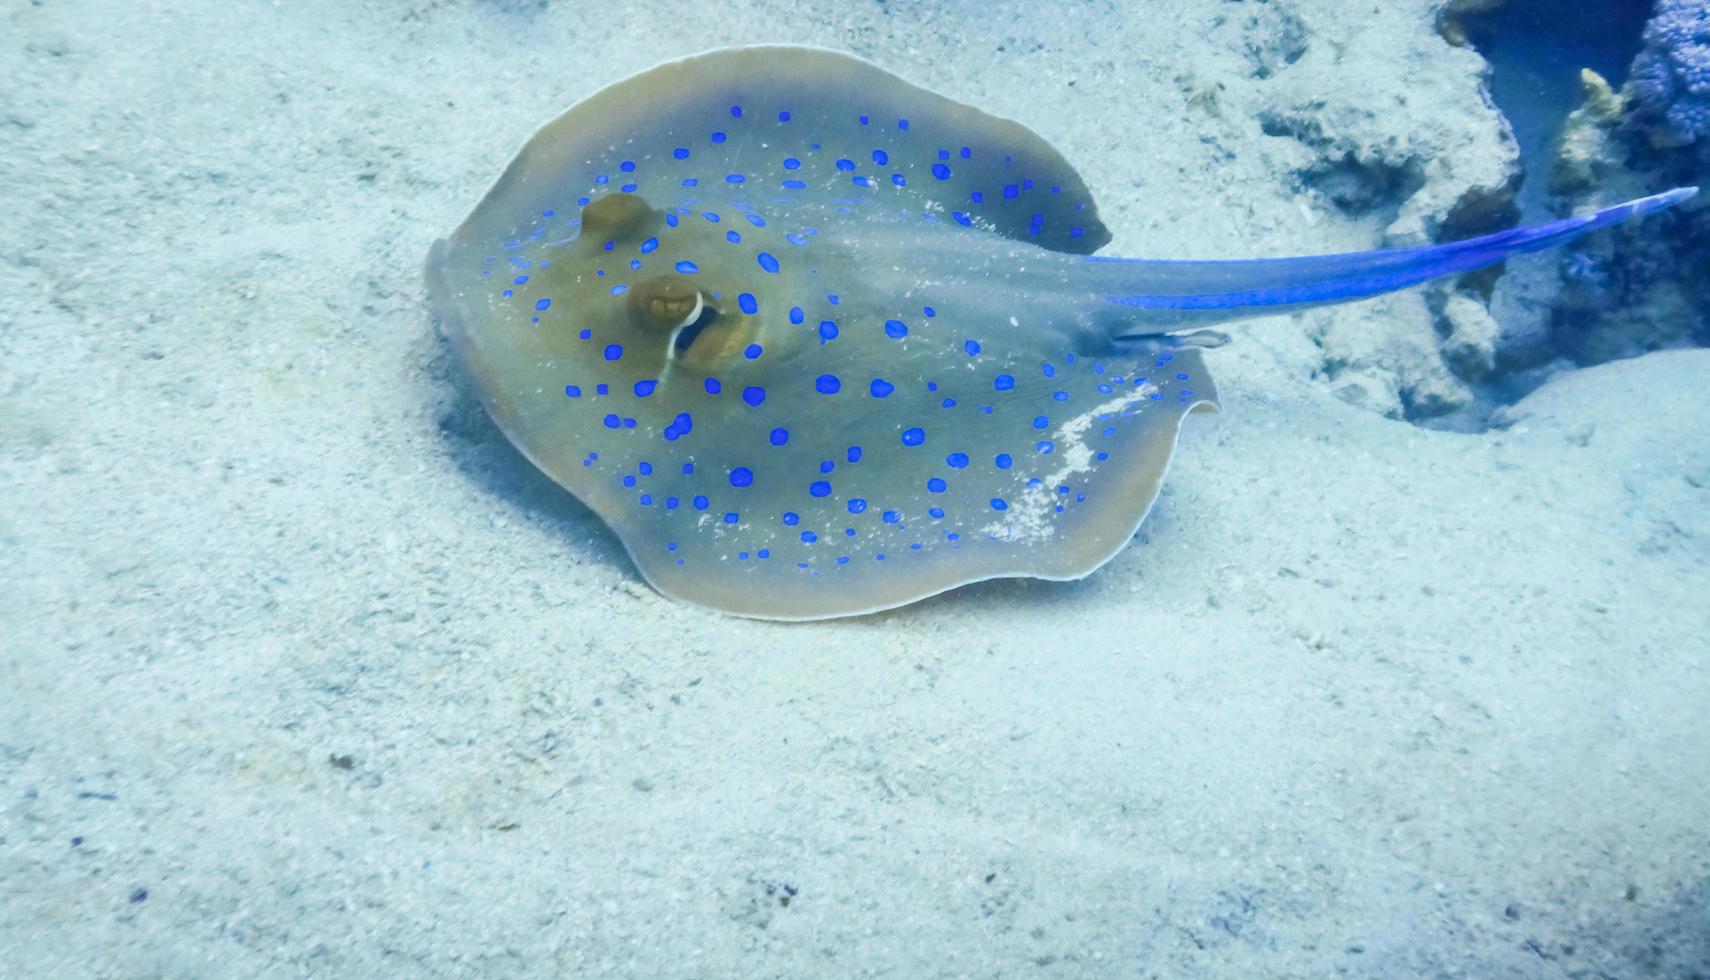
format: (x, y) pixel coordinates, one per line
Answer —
(1557, 72)
(1536, 49)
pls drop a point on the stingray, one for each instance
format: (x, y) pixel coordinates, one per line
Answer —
(815, 342)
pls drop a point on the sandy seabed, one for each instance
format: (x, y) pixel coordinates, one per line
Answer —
(304, 671)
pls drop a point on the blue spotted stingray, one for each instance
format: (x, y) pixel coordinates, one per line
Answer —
(817, 342)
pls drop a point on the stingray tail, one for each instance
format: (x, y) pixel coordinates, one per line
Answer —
(1189, 293)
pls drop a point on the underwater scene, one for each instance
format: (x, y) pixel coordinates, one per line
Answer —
(1123, 488)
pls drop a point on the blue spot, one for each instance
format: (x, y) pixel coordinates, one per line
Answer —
(880, 388)
(736, 111)
(614, 351)
(896, 329)
(795, 239)
(629, 481)
(833, 299)
(780, 436)
(649, 245)
(819, 488)
(796, 315)
(602, 389)
(519, 280)
(645, 388)
(827, 330)
(794, 185)
(611, 421)
(646, 468)
(1060, 396)
(542, 304)
(1004, 382)
(936, 513)
(972, 347)
(1044, 447)
(826, 466)
(712, 386)
(572, 391)
(734, 178)
(1004, 461)
(755, 220)
(791, 163)
(1040, 421)
(718, 137)
(891, 516)
(711, 216)
(854, 454)
(977, 197)
(742, 476)
(687, 268)
(864, 120)
(791, 519)
(754, 395)
(782, 117)
(928, 311)
(941, 171)
(808, 537)
(688, 469)
(913, 437)
(700, 502)
(902, 124)
(956, 460)
(900, 181)
(690, 182)
(628, 166)
(998, 503)
(937, 485)
(1009, 191)
(752, 351)
(827, 384)
(857, 505)
(845, 165)
(766, 261)
(681, 153)
(860, 181)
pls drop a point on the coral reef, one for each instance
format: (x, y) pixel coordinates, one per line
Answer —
(1629, 292)
(1671, 76)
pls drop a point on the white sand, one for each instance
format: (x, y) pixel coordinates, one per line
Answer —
(291, 640)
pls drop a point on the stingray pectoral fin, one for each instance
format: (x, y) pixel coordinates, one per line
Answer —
(1195, 292)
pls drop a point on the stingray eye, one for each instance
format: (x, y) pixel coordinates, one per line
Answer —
(615, 217)
(690, 332)
(665, 303)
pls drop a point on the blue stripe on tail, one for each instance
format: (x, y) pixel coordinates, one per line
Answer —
(1231, 286)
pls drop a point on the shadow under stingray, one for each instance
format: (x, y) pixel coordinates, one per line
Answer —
(486, 457)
